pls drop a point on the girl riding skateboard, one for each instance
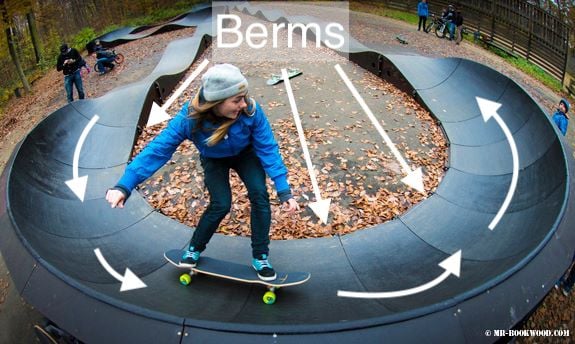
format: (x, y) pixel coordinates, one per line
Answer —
(231, 131)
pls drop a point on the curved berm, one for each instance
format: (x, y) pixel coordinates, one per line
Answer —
(48, 236)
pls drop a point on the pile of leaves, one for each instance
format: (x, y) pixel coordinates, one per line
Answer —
(353, 166)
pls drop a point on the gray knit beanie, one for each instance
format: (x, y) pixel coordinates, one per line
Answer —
(223, 81)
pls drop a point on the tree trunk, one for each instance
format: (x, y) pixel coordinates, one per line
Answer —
(34, 35)
(11, 47)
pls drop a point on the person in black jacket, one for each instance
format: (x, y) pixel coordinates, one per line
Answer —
(70, 62)
(449, 16)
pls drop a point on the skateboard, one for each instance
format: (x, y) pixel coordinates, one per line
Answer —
(401, 39)
(44, 336)
(277, 78)
(51, 334)
(236, 272)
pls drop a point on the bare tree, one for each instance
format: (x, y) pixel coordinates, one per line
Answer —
(34, 35)
(11, 44)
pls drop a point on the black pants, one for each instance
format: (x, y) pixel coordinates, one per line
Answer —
(217, 180)
(422, 19)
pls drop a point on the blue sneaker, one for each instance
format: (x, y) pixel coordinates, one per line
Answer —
(264, 268)
(190, 258)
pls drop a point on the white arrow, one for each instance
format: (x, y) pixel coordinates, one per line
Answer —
(129, 281)
(78, 184)
(452, 265)
(321, 206)
(413, 178)
(488, 110)
(159, 114)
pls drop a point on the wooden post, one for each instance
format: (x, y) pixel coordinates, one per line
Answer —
(565, 53)
(492, 34)
(530, 39)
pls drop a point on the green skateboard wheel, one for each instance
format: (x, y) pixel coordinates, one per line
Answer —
(269, 298)
(185, 279)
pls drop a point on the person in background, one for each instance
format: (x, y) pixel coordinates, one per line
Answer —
(423, 13)
(69, 62)
(104, 58)
(560, 116)
(448, 16)
(458, 21)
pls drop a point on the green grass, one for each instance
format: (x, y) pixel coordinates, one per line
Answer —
(379, 10)
(536, 72)
(530, 69)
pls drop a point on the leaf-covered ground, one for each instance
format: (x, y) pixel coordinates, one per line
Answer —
(354, 167)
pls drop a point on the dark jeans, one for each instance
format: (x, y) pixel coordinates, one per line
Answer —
(103, 63)
(451, 27)
(70, 80)
(217, 180)
(422, 19)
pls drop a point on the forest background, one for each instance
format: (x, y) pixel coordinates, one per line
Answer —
(33, 30)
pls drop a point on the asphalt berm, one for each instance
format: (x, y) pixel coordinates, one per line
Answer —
(414, 132)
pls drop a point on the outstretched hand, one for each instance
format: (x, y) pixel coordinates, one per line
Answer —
(290, 206)
(116, 198)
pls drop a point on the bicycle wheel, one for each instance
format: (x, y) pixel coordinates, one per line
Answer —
(430, 27)
(440, 30)
(97, 67)
(119, 58)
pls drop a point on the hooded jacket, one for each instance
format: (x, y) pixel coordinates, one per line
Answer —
(247, 130)
(422, 9)
(560, 118)
(562, 121)
(69, 68)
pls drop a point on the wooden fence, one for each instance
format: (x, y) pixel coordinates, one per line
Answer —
(516, 26)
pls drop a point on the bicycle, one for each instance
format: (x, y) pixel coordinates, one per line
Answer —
(433, 23)
(118, 59)
(442, 31)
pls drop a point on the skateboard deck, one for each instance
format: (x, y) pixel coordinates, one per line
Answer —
(401, 39)
(236, 272)
(277, 78)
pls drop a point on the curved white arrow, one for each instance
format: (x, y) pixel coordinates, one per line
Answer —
(78, 184)
(452, 265)
(321, 206)
(129, 281)
(159, 114)
(413, 178)
(488, 110)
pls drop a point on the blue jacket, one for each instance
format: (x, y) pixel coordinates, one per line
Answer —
(562, 121)
(422, 9)
(248, 130)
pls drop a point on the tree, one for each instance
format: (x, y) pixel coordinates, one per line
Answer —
(34, 34)
(11, 44)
